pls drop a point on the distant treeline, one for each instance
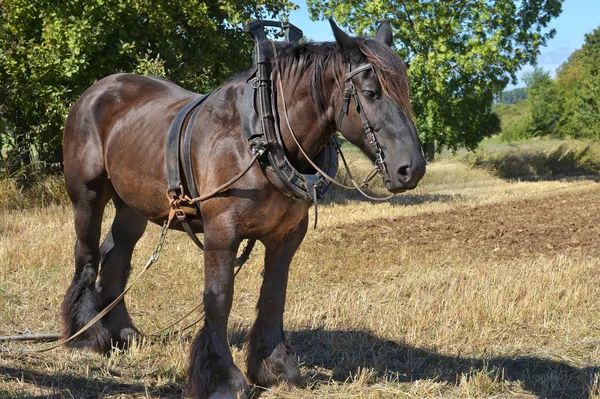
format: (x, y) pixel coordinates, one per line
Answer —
(512, 96)
(568, 105)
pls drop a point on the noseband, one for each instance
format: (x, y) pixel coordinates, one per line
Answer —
(350, 91)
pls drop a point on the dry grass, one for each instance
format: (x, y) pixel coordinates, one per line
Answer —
(566, 159)
(377, 307)
(26, 194)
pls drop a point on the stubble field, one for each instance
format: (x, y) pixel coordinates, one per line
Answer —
(471, 286)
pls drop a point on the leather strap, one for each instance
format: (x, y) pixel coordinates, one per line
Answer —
(182, 218)
(173, 160)
(188, 171)
(173, 146)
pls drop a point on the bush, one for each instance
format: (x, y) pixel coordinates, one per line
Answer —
(520, 129)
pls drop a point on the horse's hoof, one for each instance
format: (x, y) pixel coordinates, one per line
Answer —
(89, 344)
(222, 394)
(125, 337)
(234, 389)
(280, 367)
(129, 334)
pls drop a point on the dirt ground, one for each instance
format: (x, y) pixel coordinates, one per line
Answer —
(505, 230)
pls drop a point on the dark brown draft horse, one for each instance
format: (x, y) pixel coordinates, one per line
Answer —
(114, 148)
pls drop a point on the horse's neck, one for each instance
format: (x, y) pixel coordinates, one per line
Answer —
(312, 130)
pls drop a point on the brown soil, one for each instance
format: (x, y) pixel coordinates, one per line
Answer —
(507, 230)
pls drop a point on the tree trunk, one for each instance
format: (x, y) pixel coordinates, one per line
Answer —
(429, 150)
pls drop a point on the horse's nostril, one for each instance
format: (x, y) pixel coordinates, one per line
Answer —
(404, 170)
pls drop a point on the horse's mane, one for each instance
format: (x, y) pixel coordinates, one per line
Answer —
(295, 60)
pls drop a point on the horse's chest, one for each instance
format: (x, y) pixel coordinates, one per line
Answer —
(273, 217)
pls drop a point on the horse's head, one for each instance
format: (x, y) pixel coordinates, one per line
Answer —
(379, 118)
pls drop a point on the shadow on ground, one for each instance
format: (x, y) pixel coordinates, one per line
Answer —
(343, 352)
(59, 385)
(340, 196)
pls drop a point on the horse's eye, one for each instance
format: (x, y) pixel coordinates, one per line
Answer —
(371, 95)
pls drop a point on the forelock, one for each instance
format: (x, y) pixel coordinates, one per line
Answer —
(390, 69)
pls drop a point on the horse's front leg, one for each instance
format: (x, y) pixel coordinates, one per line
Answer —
(269, 359)
(212, 372)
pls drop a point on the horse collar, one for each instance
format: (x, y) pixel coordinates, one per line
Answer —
(260, 124)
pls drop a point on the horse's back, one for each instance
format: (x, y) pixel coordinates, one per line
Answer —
(118, 124)
(109, 100)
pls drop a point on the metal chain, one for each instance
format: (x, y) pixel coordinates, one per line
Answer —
(161, 240)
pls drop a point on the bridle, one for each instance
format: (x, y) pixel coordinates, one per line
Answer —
(369, 135)
(349, 91)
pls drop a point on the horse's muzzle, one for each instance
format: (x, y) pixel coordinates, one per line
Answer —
(406, 177)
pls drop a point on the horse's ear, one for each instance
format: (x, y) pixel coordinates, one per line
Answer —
(342, 39)
(384, 33)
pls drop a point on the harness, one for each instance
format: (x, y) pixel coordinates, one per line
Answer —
(260, 125)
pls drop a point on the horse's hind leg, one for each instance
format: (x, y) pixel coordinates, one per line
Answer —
(115, 253)
(89, 197)
(269, 358)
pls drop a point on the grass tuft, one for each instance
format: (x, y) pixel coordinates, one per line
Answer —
(44, 191)
(566, 160)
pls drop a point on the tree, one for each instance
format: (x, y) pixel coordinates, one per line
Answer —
(460, 55)
(512, 96)
(545, 103)
(51, 51)
(578, 80)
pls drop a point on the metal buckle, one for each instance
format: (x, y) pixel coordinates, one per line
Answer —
(258, 146)
(370, 136)
(180, 214)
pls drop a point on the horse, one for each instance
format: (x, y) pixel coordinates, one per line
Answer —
(114, 149)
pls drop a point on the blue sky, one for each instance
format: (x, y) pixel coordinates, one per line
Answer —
(577, 18)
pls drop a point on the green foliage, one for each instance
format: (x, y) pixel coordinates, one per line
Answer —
(545, 103)
(578, 79)
(510, 113)
(51, 51)
(520, 129)
(512, 96)
(460, 55)
(568, 106)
